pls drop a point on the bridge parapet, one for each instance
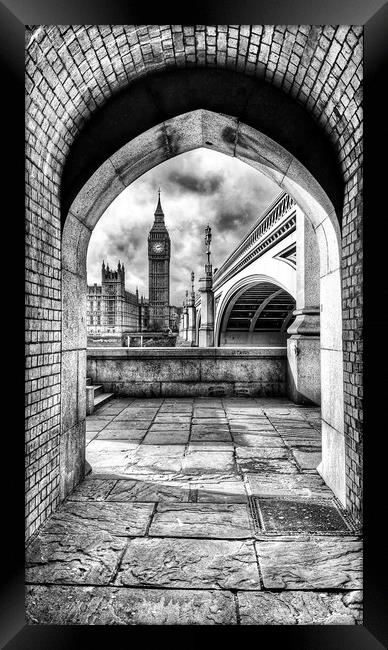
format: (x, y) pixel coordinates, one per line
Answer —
(277, 222)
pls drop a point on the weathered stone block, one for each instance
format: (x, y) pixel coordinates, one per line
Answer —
(300, 608)
(90, 517)
(318, 563)
(209, 564)
(64, 605)
(157, 489)
(76, 559)
(201, 520)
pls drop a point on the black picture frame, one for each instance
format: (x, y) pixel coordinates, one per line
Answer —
(14, 15)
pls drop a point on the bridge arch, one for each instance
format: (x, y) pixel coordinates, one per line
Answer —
(257, 297)
(242, 285)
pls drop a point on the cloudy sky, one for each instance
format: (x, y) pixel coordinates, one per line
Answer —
(197, 188)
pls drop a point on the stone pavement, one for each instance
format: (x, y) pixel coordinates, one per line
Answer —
(198, 511)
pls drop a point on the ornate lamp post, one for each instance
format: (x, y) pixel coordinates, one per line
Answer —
(206, 332)
(208, 239)
(192, 287)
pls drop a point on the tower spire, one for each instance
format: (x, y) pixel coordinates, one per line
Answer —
(159, 214)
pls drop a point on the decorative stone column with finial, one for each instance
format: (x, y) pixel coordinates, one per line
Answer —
(185, 315)
(303, 346)
(206, 331)
(191, 313)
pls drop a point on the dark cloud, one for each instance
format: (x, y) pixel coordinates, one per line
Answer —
(185, 182)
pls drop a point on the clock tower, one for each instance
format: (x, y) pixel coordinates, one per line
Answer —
(159, 250)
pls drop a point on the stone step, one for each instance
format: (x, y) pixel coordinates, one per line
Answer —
(88, 381)
(101, 399)
(97, 391)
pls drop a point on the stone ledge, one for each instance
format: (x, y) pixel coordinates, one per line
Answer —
(186, 353)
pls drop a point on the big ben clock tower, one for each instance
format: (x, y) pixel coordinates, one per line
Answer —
(159, 250)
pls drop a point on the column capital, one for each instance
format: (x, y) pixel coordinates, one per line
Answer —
(306, 323)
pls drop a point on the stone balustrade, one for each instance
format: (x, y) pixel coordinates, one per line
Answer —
(181, 372)
(277, 222)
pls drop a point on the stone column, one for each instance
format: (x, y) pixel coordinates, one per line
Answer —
(303, 346)
(185, 319)
(206, 331)
(191, 313)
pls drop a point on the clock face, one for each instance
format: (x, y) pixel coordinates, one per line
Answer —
(158, 247)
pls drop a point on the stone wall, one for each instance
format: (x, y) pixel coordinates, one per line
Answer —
(185, 372)
(71, 71)
(259, 339)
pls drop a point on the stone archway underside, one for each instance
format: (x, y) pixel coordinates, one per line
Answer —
(257, 315)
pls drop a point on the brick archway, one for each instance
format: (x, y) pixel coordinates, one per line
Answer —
(202, 128)
(71, 72)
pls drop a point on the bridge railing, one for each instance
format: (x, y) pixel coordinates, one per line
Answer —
(278, 217)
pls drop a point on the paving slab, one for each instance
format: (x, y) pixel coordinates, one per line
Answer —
(307, 459)
(280, 411)
(189, 563)
(168, 437)
(300, 608)
(256, 440)
(257, 453)
(222, 491)
(109, 456)
(90, 559)
(208, 403)
(317, 563)
(172, 419)
(283, 515)
(201, 462)
(155, 459)
(172, 426)
(241, 411)
(288, 485)
(209, 446)
(209, 427)
(109, 410)
(286, 426)
(201, 520)
(208, 413)
(129, 425)
(267, 466)
(214, 422)
(132, 435)
(96, 425)
(304, 445)
(90, 435)
(250, 427)
(82, 518)
(302, 434)
(154, 490)
(92, 489)
(76, 605)
(249, 419)
(210, 435)
(136, 415)
(147, 403)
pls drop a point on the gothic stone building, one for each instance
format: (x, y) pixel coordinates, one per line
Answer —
(111, 309)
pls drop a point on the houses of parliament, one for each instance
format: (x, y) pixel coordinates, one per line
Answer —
(113, 312)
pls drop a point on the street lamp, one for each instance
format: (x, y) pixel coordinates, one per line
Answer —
(208, 238)
(192, 284)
